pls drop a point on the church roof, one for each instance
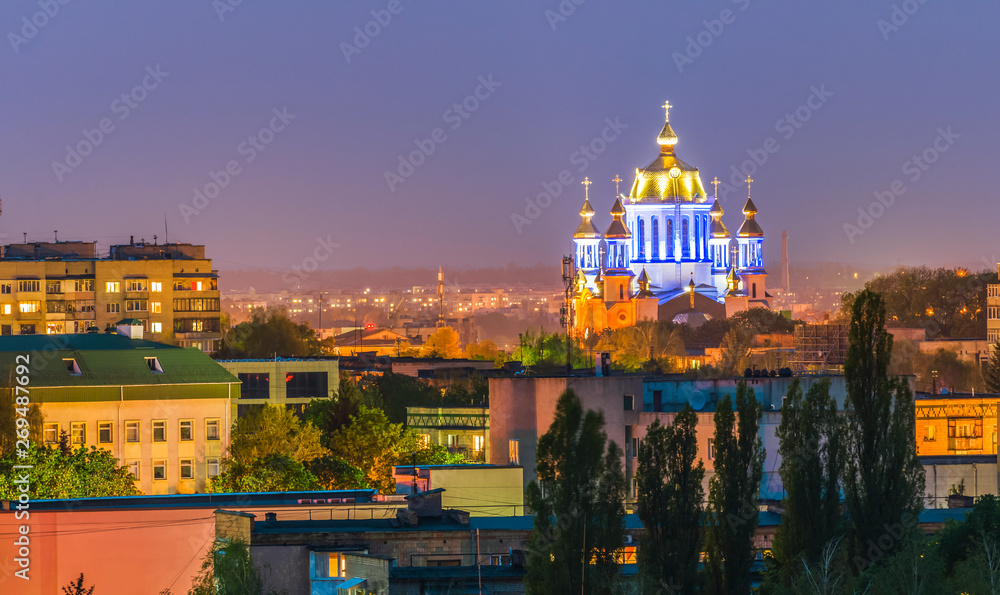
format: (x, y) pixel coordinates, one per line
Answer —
(655, 182)
(643, 282)
(750, 227)
(586, 230)
(717, 228)
(617, 229)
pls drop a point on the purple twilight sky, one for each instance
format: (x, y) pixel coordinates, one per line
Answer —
(179, 89)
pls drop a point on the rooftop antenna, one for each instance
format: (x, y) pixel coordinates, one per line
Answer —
(56, 232)
(25, 237)
(166, 236)
(154, 239)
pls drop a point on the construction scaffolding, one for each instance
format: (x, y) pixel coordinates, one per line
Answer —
(819, 349)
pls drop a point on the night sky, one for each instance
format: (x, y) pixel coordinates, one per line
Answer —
(868, 85)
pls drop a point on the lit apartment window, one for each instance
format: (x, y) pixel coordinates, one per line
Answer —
(711, 449)
(6, 309)
(211, 429)
(133, 467)
(156, 307)
(29, 285)
(187, 468)
(29, 307)
(78, 432)
(156, 327)
(159, 469)
(4, 287)
(105, 432)
(212, 467)
(113, 287)
(929, 433)
(159, 431)
(132, 431)
(51, 433)
(424, 440)
(156, 286)
(186, 430)
(84, 285)
(477, 443)
(513, 452)
(114, 308)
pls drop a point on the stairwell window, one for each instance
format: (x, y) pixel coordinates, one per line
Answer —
(711, 449)
(513, 452)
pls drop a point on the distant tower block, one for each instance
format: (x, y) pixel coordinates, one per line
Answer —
(785, 282)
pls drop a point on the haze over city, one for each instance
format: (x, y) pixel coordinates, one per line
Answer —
(832, 100)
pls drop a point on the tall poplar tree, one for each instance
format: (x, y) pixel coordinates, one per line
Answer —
(578, 501)
(733, 493)
(812, 458)
(669, 499)
(884, 481)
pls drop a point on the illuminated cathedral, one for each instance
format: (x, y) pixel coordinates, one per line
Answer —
(667, 254)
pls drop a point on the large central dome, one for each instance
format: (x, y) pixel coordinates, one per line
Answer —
(667, 178)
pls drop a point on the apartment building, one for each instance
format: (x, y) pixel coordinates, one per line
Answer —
(66, 287)
(162, 410)
(288, 382)
(993, 311)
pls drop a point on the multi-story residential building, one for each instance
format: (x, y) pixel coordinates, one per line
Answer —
(162, 410)
(66, 287)
(462, 430)
(288, 382)
(993, 311)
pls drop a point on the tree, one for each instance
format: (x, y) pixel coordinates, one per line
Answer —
(66, 473)
(884, 481)
(733, 493)
(268, 452)
(992, 373)
(374, 445)
(274, 430)
(811, 447)
(269, 333)
(442, 343)
(669, 502)
(485, 350)
(734, 352)
(229, 570)
(10, 412)
(76, 587)
(578, 500)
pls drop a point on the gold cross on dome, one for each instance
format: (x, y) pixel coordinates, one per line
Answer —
(716, 182)
(617, 179)
(586, 187)
(749, 181)
(666, 106)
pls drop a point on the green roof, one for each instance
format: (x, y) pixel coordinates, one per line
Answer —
(105, 360)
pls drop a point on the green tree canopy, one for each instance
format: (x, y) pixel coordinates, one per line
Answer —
(269, 333)
(65, 473)
(228, 569)
(578, 500)
(374, 445)
(669, 501)
(883, 481)
(733, 493)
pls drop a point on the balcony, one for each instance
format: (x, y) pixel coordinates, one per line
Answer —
(965, 443)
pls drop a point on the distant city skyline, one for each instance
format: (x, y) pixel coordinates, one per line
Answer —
(400, 134)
